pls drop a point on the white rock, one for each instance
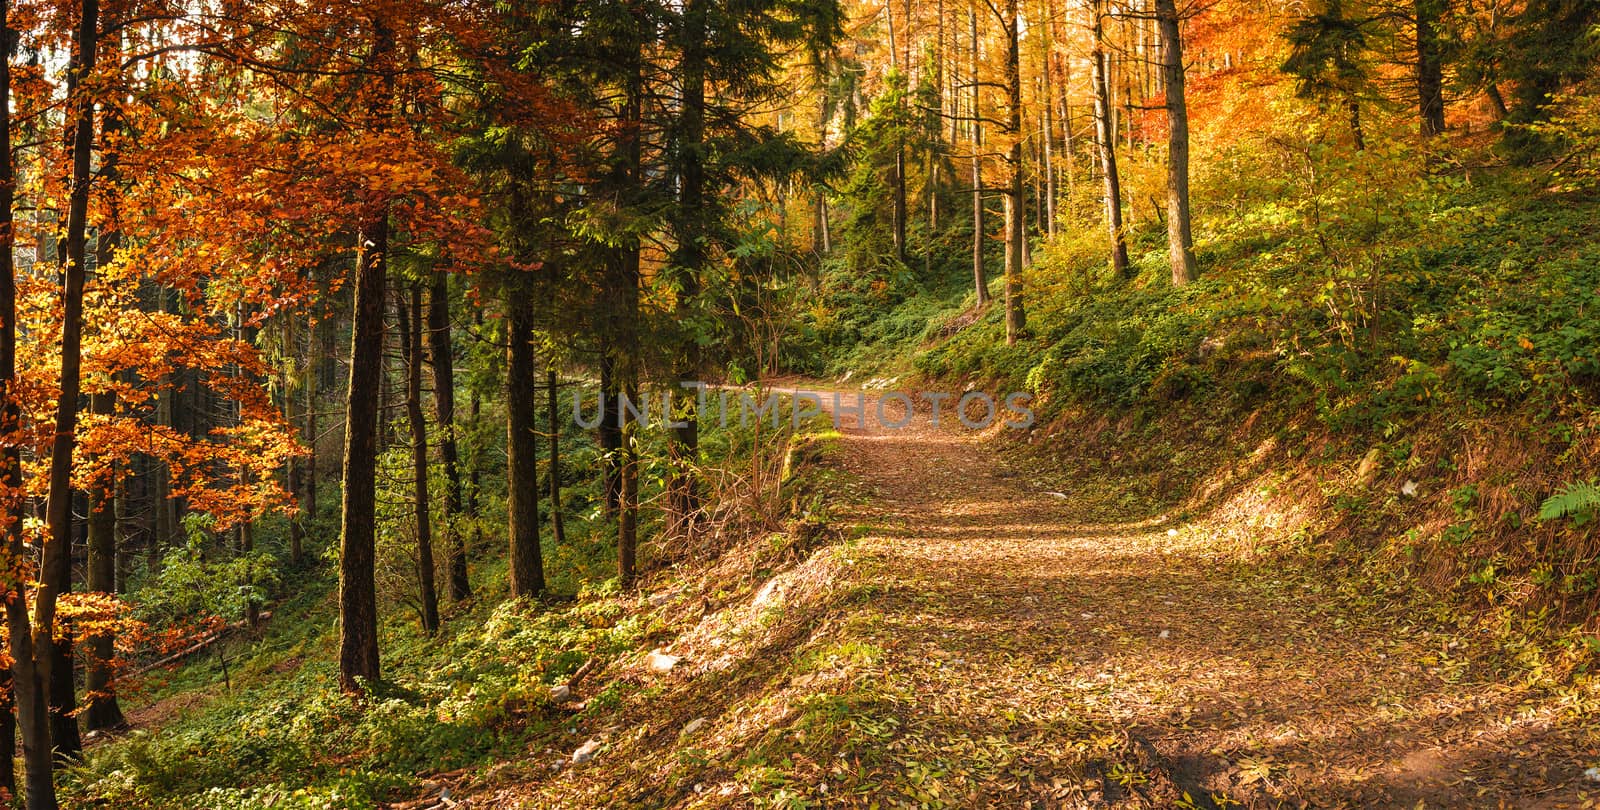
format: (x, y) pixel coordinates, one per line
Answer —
(1592, 774)
(694, 725)
(661, 663)
(560, 693)
(766, 593)
(585, 752)
(1172, 532)
(1166, 634)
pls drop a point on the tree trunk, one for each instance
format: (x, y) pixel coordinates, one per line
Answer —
(1016, 320)
(899, 180)
(625, 357)
(358, 600)
(291, 417)
(8, 738)
(980, 281)
(103, 712)
(557, 521)
(689, 257)
(1353, 107)
(1106, 144)
(55, 659)
(411, 328)
(522, 450)
(358, 605)
(610, 429)
(1048, 141)
(471, 500)
(442, 354)
(819, 212)
(1180, 238)
(25, 686)
(1430, 67)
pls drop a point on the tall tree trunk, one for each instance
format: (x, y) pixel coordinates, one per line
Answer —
(522, 450)
(442, 354)
(558, 522)
(625, 350)
(103, 712)
(358, 605)
(899, 179)
(1105, 142)
(1016, 320)
(689, 257)
(627, 371)
(358, 600)
(1430, 66)
(55, 659)
(26, 687)
(1048, 141)
(932, 162)
(411, 327)
(1180, 238)
(980, 281)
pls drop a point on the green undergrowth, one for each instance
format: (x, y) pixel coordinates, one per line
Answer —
(259, 722)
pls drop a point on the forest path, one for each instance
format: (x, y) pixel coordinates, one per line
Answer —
(1034, 656)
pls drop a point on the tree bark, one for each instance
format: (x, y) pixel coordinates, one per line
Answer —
(1105, 142)
(291, 416)
(358, 600)
(358, 607)
(103, 711)
(25, 686)
(1180, 238)
(444, 406)
(899, 179)
(411, 327)
(689, 257)
(610, 430)
(522, 450)
(1430, 67)
(980, 281)
(55, 659)
(558, 525)
(1016, 320)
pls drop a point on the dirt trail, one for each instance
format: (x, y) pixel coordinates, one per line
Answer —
(1048, 659)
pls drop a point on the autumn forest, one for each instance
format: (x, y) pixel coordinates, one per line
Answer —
(429, 404)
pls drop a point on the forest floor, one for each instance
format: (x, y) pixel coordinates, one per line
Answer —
(1049, 654)
(982, 638)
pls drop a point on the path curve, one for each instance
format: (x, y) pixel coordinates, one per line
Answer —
(1047, 658)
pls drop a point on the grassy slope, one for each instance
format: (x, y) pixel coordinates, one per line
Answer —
(474, 703)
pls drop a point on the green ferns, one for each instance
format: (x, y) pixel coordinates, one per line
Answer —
(1577, 500)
